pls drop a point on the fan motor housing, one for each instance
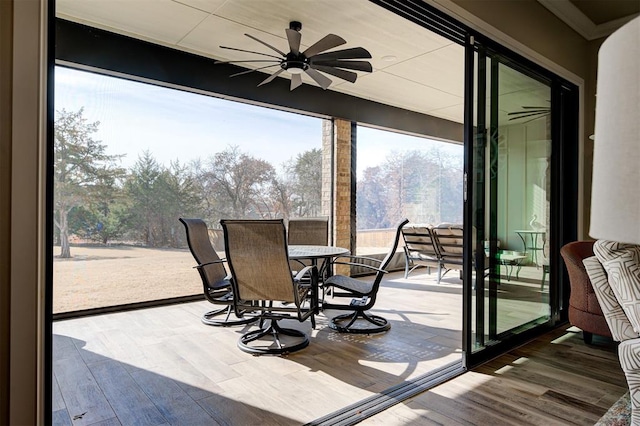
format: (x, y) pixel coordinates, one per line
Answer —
(293, 62)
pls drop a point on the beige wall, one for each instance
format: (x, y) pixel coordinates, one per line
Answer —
(530, 23)
(21, 213)
(6, 13)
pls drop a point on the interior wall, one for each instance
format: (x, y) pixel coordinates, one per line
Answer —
(537, 28)
(23, 64)
(6, 38)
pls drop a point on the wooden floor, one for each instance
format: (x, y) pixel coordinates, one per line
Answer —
(554, 380)
(162, 366)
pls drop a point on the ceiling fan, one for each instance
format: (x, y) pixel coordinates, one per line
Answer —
(312, 61)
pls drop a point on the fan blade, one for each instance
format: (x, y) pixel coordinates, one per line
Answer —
(296, 80)
(255, 69)
(350, 65)
(323, 81)
(351, 53)
(251, 60)
(530, 111)
(345, 75)
(294, 40)
(327, 42)
(266, 44)
(251, 51)
(271, 77)
(527, 115)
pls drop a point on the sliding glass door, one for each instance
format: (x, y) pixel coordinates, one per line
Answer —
(509, 177)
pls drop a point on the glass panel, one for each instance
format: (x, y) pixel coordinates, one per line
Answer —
(511, 199)
(404, 176)
(522, 151)
(131, 158)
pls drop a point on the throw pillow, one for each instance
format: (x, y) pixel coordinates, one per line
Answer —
(622, 264)
(614, 315)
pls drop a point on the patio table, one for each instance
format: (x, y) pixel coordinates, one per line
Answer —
(315, 253)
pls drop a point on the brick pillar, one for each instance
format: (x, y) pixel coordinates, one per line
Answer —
(338, 135)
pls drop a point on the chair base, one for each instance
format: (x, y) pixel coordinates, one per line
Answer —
(380, 323)
(274, 330)
(208, 318)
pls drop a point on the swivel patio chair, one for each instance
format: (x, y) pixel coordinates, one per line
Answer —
(362, 293)
(217, 287)
(256, 252)
(308, 231)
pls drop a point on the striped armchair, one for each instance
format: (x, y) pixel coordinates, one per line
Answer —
(614, 272)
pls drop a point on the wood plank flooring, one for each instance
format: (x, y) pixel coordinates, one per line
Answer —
(163, 366)
(555, 380)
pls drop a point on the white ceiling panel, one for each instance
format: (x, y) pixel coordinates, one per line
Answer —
(452, 113)
(215, 31)
(399, 92)
(209, 6)
(442, 69)
(162, 21)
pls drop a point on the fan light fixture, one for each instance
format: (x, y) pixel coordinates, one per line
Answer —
(311, 62)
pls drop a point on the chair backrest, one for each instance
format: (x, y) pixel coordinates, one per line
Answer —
(385, 262)
(450, 243)
(394, 246)
(203, 252)
(311, 231)
(573, 254)
(257, 256)
(420, 240)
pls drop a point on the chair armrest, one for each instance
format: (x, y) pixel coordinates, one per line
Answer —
(301, 289)
(210, 263)
(364, 265)
(353, 256)
(307, 270)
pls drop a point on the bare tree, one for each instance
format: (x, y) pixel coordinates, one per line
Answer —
(237, 183)
(82, 168)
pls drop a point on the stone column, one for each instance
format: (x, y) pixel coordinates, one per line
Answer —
(337, 138)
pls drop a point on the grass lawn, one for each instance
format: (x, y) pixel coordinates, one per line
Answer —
(105, 276)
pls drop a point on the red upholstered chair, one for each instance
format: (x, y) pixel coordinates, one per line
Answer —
(584, 310)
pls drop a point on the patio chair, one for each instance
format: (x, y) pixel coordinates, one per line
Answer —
(309, 231)
(449, 238)
(362, 293)
(420, 249)
(217, 287)
(263, 285)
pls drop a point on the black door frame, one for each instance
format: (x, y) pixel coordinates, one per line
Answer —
(564, 164)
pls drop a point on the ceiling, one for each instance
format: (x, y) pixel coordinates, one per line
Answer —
(594, 18)
(414, 69)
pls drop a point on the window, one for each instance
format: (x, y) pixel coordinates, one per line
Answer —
(404, 176)
(131, 158)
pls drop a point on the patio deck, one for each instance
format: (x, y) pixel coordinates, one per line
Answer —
(163, 366)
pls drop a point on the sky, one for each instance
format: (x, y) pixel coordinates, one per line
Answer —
(174, 124)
